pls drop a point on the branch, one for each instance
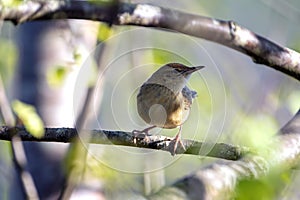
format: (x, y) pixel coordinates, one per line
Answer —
(218, 180)
(66, 135)
(18, 152)
(77, 154)
(228, 33)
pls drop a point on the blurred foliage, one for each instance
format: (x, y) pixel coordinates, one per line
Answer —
(109, 176)
(114, 181)
(56, 75)
(10, 3)
(293, 101)
(254, 130)
(29, 117)
(100, 2)
(295, 44)
(240, 77)
(269, 187)
(161, 56)
(104, 31)
(74, 162)
(77, 56)
(93, 73)
(7, 65)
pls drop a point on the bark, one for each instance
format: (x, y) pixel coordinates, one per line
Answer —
(218, 181)
(228, 33)
(67, 135)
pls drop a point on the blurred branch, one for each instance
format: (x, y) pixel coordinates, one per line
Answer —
(219, 150)
(228, 33)
(77, 152)
(18, 153)
(218, 180)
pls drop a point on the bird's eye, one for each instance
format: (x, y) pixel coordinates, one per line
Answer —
(179, 70)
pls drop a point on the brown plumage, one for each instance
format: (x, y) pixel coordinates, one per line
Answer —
(164, 100)
(172, 105)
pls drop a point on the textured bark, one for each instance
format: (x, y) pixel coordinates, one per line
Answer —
(218, 181)
(66, 135)
(228, 33)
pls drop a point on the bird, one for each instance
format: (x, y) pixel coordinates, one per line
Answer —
(164, 100)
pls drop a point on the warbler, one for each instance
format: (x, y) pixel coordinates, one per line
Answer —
(164, 100)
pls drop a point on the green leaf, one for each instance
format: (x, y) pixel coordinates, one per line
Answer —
(268, 187)
(10, 3)
(77, 56)
(56, 75)
(31, 120)
(104, 32)
(254, 189)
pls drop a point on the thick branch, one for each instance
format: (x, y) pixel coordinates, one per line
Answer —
(220, 150)
(227, 33)
(218, 180)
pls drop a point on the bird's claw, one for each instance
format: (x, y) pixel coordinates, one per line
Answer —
(144, 133)
(141, 135)
(173, 146)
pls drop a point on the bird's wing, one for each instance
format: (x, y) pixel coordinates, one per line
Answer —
(188, 95)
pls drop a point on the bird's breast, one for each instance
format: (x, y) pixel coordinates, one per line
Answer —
(157, 105)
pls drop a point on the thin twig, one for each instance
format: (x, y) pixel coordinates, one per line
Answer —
(18, 153)
(82, 118)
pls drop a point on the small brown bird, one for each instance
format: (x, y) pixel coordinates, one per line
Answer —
(164, 100)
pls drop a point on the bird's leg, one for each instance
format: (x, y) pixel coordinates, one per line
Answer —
(174, 143)
(144, 132)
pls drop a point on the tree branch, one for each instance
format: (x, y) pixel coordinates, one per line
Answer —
(227, 33)
(218, 180)
(66, 135)
(18, 153)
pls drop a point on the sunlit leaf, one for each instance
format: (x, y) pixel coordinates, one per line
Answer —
(286, 177)
(104, 32)
(268, 187)
(77, 56)
(10, 3)
(159, 56)
(31, 120)
(56, 75)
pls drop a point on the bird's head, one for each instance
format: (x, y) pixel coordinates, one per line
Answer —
(182, 70)
(173, 75)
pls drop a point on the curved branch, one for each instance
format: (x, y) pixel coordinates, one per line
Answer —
(228, 33)
(218, 180)
(66, 135)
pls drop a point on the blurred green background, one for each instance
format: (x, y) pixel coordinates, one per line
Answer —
(239, 102)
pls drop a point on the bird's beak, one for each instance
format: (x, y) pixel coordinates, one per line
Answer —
(199, 67)
(193, 69)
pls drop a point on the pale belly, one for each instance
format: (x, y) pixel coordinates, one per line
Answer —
(161, 107)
